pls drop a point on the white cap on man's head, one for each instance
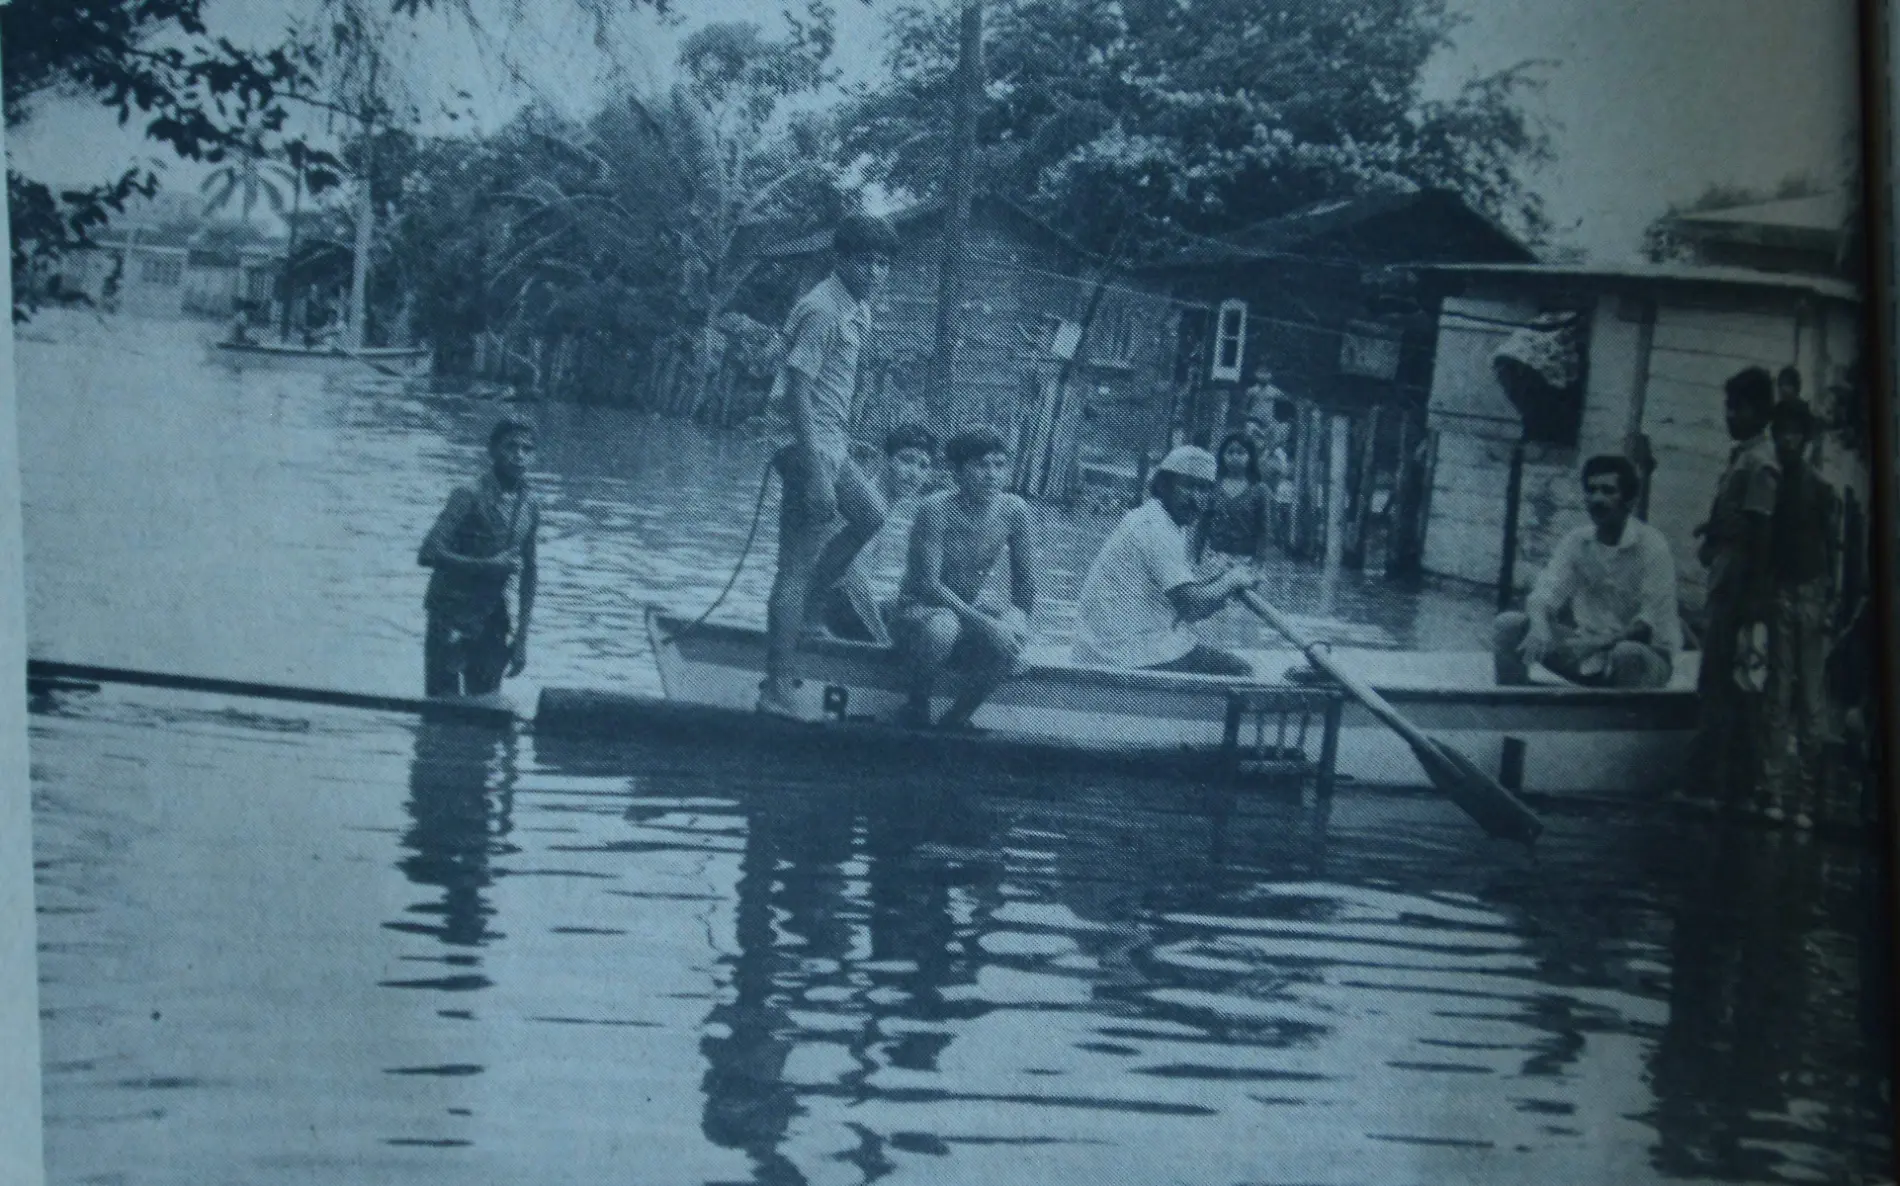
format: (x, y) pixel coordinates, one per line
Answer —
(1190, 461)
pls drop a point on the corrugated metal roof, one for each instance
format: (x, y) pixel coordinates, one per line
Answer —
(1816, 212)
(1276, 237)
(1670, 273)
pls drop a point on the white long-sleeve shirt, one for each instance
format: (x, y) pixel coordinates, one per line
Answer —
(1609, 589)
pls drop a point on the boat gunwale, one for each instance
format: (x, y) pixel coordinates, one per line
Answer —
(666, 628)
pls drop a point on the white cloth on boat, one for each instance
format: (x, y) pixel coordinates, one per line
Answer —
(1609, 589)
(1124, 617)
(822, 340)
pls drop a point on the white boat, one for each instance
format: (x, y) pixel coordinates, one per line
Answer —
(1565, 740)
(404, 362)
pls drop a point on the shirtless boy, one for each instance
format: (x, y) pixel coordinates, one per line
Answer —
(943, 622)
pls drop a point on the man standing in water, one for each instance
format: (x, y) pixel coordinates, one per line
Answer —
(1141, 592)
(1736, 548)
(482, 538)
(814, 393)
(942, 620)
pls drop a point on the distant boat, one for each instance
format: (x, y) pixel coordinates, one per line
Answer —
(404, 362)
(1575, 741)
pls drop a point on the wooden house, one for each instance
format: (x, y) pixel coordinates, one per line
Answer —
(1071, 358)
(1315, 314)
(175, 269)
(1654, 344)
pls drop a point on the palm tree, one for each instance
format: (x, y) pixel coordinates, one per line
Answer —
(251, 179)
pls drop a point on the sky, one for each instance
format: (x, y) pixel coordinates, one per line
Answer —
(1648, 101)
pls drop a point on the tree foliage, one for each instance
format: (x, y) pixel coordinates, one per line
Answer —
(151, 60)
(631, 227)
(196, 94)
(1192, 117)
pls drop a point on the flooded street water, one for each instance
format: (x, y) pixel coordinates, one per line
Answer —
(287, 944)
(264, 526)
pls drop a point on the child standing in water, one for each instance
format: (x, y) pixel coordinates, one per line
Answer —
(859, 606)
(482, 538)
(1235, 527)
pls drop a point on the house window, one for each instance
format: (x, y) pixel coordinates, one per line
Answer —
(164, 271)
(1230, 341)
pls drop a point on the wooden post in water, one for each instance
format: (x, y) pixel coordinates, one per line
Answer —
(1362, 492)
(1336, 493)
(1513, 494)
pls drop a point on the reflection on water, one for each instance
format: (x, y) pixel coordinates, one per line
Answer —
(264, 526)
(485, 957)
(461, 797)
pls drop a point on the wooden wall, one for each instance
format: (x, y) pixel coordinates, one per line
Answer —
(1019, 283)
(1656, 362)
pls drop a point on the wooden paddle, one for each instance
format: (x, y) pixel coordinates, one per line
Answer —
(1495, 809)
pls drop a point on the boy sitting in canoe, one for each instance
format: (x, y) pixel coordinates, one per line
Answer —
(860, 605)
(1141, 592)
(943, 622)
(483, 537)
(1615, 581)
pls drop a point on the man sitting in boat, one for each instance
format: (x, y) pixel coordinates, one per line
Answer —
(1141, 593)
(859, 607)
(1603, 611)
(944, 623)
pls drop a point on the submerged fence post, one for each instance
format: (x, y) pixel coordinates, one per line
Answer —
(1340, 434)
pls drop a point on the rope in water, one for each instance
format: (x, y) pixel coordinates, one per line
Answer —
(751, 535)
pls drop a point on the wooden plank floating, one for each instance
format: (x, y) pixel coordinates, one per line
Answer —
(47, 674)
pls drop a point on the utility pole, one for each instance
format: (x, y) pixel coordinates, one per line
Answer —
(357, 326)
(956, 225)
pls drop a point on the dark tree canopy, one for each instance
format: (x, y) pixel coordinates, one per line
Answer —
(155, 61)
(152, 60)
(1173, 118)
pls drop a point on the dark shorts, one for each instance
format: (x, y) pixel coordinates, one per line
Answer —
(1206, 660)
(461, 662)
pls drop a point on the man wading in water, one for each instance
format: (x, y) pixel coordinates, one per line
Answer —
(484, 536)
(814, 391)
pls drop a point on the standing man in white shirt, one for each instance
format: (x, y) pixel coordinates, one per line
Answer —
(820, 483)
(1141, 593)
(1615, 582)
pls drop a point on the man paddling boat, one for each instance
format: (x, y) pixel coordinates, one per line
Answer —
(1141, 593)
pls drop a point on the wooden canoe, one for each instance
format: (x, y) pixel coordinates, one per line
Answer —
(1576, 741)
(391, 361)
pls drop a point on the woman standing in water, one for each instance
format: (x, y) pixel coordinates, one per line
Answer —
(1234, 528)
(1234, 531)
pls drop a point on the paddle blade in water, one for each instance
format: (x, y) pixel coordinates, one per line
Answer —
(1495, 809)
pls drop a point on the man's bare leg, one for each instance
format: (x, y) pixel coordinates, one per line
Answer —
(991, 665)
